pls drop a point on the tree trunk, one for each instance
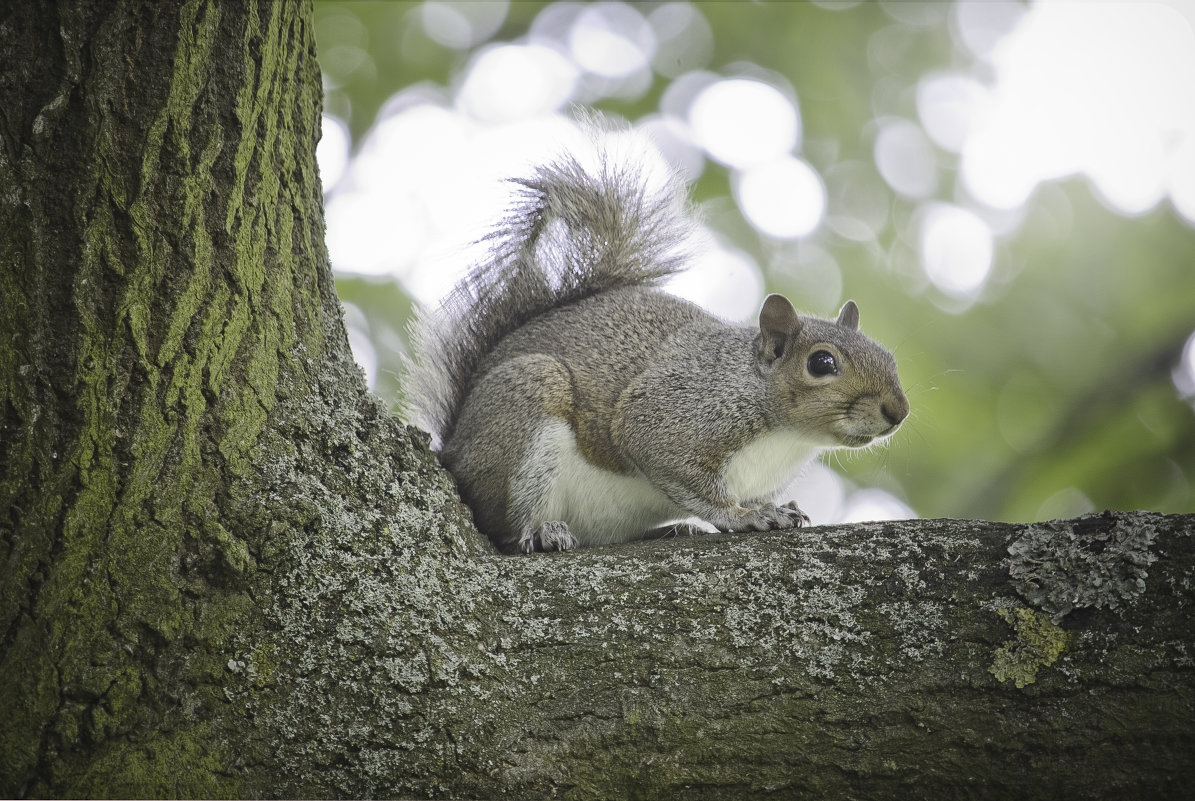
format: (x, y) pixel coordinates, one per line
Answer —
(226, 571)
(164, 285)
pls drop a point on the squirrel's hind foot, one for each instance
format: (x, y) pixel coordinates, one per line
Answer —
(550, 536)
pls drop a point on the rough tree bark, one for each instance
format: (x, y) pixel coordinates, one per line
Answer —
(226, 571)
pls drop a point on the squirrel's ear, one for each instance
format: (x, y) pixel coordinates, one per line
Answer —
(848, 316)
(777, 322)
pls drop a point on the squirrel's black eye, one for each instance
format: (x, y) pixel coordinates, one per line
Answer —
(822, 362)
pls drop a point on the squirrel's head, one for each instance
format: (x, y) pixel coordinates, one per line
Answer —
(829, 380)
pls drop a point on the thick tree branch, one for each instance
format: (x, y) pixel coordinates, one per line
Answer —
(872, 660)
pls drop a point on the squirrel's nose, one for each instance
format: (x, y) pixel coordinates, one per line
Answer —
(895, 409)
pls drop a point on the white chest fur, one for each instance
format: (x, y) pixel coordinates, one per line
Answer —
(767, 464)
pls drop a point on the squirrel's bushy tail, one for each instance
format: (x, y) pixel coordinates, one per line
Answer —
(569, 234)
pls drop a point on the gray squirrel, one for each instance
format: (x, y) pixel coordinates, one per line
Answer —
(578, 404)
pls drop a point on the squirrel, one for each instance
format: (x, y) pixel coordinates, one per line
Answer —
(576, 403)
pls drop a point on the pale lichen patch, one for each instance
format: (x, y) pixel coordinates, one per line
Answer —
(1094, 562)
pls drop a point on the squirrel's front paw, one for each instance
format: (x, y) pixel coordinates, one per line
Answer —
(551, 536)
(798, 517)
(782, 517)
(769, 517)
(765, 517)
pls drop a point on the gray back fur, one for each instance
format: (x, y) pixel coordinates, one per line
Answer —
(570, 234)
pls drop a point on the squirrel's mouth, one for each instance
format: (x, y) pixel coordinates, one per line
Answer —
(859, 440)
(855, 440)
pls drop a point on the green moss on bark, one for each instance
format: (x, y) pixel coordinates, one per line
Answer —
(175, 764)
(156, 312)
(1039, 643)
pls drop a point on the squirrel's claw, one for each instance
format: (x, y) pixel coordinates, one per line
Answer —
(794, 512)
(767, 517)
(553, 535)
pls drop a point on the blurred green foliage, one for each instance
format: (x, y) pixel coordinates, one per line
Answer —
(1050, 395)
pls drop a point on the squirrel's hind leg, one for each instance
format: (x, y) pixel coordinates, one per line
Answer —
(504, 457)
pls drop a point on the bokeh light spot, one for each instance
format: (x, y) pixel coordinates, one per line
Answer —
(820, 492)
(1184, 373)
(1102, 89)
(858, 201)
(514, 82)
(360, 342)
(684, 39)
(675, 142)
(783, 198)
(612, 40)
(905, 158)
(726, 281)
(811, 274)
(741, 122)
(460, 25)
(332, 152)
(956, 249)
(344, 42)
(1065, 504)
(872, 504)
(950, 105)
(981, 24)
